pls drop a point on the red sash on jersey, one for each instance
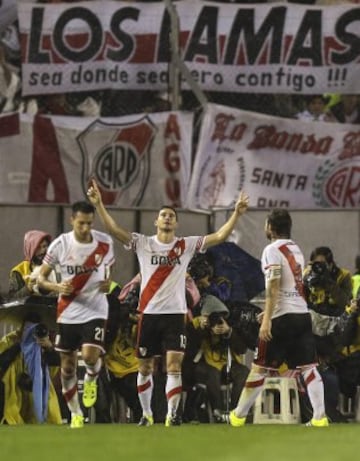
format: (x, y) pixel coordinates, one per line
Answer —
(295, 269)
(160, 275)
(78, 281)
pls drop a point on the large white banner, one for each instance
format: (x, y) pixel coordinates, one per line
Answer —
(260, 48)
(140, 160)
(278, 161)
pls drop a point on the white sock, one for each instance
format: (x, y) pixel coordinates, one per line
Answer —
(70, 393)
(315, 389)
(173, 391)
(92, 371)
(145, 387)
(253, 387)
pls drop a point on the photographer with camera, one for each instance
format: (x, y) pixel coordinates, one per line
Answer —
(217, 356)
(121, 362)
(28, 364)
(328, 290)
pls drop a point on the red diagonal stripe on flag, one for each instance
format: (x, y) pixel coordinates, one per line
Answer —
(46, 164)
(9, 125)
(160, 275)
(79, 281)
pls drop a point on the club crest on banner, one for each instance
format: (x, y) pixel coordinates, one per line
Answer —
(337, 184)
(118, 157)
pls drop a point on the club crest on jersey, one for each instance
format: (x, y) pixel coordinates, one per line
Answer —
(118, 157)
(142, 351)
(178, 251)
(98, 259)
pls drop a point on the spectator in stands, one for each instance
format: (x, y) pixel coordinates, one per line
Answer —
(314, 108)
(9, 84)
(11, 46)
(347, 110)
(22, 280)
(28, 363)
(73, 104)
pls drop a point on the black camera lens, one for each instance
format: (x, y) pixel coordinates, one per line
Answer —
(216, 318)
(41, 331)
(319, 267)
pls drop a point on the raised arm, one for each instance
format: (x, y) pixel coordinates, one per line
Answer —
(114, 229)
(225, 230)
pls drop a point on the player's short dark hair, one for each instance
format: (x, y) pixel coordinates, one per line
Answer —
(82, 207)
(280, 221)
(169, 207)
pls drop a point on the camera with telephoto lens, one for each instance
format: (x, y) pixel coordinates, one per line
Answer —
(41, 331)
(215, 318)
(244, 318)
(132, 300)
(200, 267)
(318, 276)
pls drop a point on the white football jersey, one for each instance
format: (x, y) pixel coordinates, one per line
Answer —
(86, 265)
(163, 269)
(283, 258)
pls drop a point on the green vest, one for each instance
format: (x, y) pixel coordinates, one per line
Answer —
(355, 285)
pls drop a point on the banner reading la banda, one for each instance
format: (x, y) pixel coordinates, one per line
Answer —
(260, 48)
(137, 160)
(278, 162)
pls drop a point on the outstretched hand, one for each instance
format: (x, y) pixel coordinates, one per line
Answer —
(242, 203)
(94, 194)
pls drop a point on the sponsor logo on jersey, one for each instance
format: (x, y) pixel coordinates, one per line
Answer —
(157, 260)
(76, 270)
